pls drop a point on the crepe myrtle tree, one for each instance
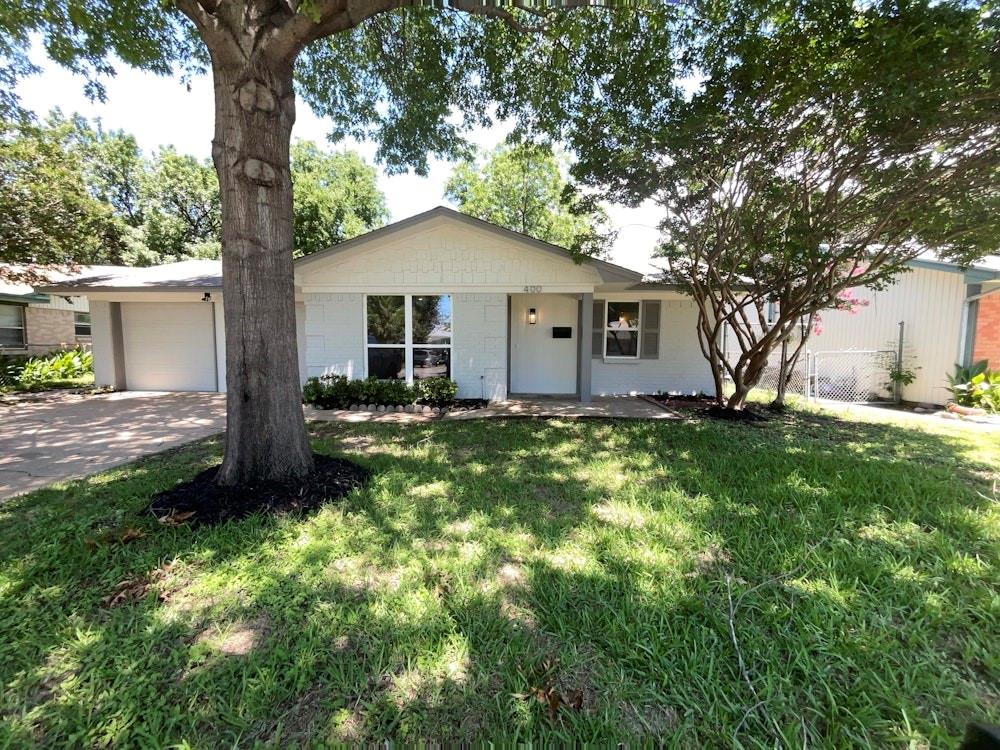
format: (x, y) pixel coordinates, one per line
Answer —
(394, 70)
(824, 146)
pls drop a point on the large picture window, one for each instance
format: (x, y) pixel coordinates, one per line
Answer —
(408, 336)
(621, 330)
(12, 326)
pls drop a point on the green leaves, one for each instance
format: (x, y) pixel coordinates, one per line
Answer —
(47, 212)
(524, 188)
(336, 197)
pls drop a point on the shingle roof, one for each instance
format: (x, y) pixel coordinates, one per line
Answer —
(195, 275)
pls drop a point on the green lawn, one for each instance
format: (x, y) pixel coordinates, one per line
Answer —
(490, 564)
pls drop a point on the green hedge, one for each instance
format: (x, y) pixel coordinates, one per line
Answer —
(340, 392)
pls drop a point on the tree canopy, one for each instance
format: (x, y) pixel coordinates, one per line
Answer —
(73, 192)
(822, 146)
(336, 197)
(524, 187)
(48, 213)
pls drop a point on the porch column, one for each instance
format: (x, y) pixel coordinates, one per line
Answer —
(585, 346)
(118, 346)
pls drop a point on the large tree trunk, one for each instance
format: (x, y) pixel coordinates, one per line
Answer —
(254, 112)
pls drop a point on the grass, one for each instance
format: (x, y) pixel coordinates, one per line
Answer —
(489, 564)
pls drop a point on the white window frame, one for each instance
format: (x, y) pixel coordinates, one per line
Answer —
(408, 344)
(638, 329)
(23, 327)
(89, 323)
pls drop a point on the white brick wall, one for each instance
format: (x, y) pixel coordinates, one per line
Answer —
(334, 342)
(681, 366)
(334, 328)
(479, 348)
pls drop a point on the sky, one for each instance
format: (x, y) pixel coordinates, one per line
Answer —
(162, 111)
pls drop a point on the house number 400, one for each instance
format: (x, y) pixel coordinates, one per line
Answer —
(532, 289)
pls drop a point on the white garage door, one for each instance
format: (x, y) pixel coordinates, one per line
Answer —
(169, 346)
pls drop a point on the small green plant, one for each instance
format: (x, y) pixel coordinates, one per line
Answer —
(11, 366)
(976, 386)
(901, 375)
(898, 373)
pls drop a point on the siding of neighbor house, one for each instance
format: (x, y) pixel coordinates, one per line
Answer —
(51, 325)
(929, 302)
(987, 342)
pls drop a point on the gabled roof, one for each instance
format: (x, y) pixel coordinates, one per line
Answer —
(187, 275)
(609, 272)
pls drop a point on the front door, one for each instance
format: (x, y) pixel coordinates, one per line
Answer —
(543, 353)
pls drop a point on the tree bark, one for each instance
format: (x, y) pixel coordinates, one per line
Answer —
(784, 373)
(254, 111)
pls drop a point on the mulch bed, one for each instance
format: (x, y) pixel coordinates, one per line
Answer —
(200, 501)
(701, 405)
(467, 404)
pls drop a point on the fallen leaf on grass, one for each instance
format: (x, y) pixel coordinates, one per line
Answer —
(130, 590)
(117, 536)
(173, 518)
(549, 696)
(131, 534)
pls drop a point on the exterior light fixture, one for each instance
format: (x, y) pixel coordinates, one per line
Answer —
(532, 316)
(207, 297)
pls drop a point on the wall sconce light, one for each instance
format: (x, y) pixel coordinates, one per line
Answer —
(207, 297)
(532, 316)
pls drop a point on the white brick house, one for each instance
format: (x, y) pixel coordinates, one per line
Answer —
(440, 293)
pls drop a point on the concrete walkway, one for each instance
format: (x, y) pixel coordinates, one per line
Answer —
(612, 407)
(68, 436)
(941, 418)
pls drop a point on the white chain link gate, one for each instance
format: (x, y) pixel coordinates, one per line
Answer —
(855, 375)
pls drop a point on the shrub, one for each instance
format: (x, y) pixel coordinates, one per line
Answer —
(976, 386)
(436, 391)
(70, 364)
(340, 392)
(386, 392)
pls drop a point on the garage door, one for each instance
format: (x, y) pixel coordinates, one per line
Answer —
(169, 346)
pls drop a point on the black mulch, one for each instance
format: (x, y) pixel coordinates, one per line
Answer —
(211, 504)
(706, 406)
(732, 415)
(467, 404)
(681, 398)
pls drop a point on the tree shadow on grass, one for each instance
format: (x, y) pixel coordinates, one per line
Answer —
(487, 562)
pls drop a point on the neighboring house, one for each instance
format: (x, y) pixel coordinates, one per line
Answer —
(37, 323)
(440, 293)
(949, 313)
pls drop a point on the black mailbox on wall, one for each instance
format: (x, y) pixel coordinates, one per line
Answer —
(562, 332)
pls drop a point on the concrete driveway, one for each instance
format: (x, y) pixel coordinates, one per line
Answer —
(69, 436)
